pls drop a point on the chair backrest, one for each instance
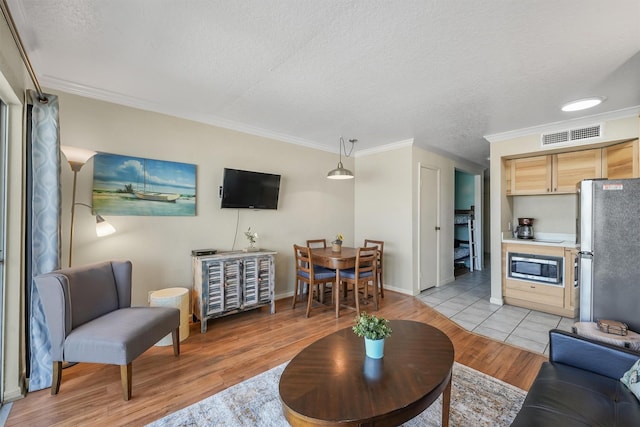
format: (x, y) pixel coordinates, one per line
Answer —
(377, 243)
(317, 243)
(303, 261)
(366, 260)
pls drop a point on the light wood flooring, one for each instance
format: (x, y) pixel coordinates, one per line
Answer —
(235, 348)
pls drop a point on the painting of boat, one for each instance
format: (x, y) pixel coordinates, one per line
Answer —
(157, 197)
(125, 185)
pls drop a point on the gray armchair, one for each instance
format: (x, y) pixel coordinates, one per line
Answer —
(90, 319)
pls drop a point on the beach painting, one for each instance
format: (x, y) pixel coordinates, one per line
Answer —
(124, 185)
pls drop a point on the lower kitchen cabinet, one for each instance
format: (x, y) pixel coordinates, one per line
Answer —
(560, 300)
(231, 282)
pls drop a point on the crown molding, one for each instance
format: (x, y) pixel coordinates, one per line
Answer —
(146, 105)
(565, 124)
(383, 148)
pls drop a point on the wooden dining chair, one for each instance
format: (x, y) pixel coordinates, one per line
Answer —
(380, 276)
(317, 243)
(364, 274)
(312, 275)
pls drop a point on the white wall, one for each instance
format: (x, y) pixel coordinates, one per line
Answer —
(447, 169)
(310, 205)
(383, 203)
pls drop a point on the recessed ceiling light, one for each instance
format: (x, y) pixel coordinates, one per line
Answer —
(583, 104)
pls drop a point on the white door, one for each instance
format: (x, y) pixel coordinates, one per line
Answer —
(429, 226)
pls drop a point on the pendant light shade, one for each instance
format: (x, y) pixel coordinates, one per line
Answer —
(340, 172)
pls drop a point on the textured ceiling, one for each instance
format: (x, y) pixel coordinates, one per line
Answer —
(444, 73)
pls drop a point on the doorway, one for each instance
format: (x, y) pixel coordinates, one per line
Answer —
(429, 227)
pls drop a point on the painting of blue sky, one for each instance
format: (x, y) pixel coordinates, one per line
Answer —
(124, 185)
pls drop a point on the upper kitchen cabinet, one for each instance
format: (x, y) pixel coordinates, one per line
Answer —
(560, 173)
(621, 161)
(530, 175)
(571, 168)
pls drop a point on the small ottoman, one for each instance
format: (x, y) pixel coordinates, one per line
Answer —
(173, 297)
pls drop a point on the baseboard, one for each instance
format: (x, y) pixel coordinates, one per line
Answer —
(498, 301)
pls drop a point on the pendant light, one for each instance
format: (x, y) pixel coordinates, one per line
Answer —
(340, 172)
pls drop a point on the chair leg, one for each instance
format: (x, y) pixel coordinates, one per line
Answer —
(125, 378)
(356, 295)
(295, 294)
(374, 284)
(380, 283)
(309, 300)
(56, 377)
(175, 336)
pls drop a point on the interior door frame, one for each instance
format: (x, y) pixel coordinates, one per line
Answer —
(438, 222)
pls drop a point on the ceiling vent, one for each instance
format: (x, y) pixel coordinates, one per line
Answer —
(572, 135)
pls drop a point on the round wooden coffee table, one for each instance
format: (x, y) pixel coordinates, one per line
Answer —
(332, 382)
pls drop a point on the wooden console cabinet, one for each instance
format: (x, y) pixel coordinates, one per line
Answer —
(230, 282)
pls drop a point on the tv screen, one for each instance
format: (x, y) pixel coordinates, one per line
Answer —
(249, 190)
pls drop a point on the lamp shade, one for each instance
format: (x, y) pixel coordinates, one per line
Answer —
(76, 157)
(340, 173)
(103, 228)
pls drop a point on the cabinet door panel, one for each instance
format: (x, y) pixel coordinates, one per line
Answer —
(571, 168)
(531, 175)
(214, 296)
(620, 161)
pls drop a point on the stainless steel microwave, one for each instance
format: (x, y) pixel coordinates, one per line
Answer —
(536, 268)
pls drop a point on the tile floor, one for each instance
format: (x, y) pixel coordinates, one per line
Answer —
(466, 302)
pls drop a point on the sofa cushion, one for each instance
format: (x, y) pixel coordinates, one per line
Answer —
(631, 379)
(120, 336)
(566, 396)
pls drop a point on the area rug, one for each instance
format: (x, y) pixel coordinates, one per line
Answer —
(476, 400)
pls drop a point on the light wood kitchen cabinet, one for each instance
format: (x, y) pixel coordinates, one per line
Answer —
(568, 169)
(507, 176)
(560, 173)
(530, 175)
(621, 161)
(572, 290)
(554, 299)
(553, 173)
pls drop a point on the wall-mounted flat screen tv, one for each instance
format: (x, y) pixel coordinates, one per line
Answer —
(249, 190)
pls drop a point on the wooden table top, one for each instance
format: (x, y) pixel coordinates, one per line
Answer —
(332, 382)
(326, 257)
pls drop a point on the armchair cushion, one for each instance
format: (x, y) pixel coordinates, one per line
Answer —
(120, 336)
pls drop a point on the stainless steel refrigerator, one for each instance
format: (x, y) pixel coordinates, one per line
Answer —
(609, 259)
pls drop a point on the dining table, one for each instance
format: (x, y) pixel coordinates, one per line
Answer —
(336, 260)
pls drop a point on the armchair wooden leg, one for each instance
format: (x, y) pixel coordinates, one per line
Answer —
(125, 378)
(56, 377)
(175, 336)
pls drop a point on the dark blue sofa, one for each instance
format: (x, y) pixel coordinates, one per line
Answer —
(580, 386)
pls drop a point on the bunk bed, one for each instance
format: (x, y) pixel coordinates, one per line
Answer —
(464, 248)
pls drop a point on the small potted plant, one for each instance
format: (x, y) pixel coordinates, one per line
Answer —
(374, 329)
(336, 245)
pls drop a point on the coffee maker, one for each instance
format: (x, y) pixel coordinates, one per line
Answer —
(524, 230)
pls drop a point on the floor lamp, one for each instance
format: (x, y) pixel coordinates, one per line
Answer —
(77, 157)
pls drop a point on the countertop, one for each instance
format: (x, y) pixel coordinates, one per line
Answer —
(544, 239)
